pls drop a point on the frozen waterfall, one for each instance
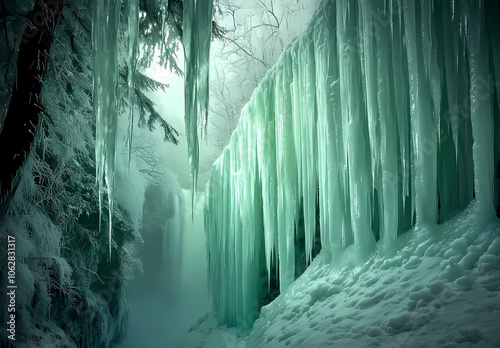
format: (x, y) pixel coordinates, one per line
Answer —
(382, 114)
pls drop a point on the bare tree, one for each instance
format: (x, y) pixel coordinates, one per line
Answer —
(255, 36)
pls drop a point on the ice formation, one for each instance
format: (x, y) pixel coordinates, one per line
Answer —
(105, 21)
(380, 115)
(132, 34)
(197, 29)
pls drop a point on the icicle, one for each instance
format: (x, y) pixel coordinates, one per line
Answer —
(132, 34)
(423, 124)
(106, 15)
(360, 181)
(481, 110)
(266, 159)
(164, 7)
(197, 29)
(389, 191)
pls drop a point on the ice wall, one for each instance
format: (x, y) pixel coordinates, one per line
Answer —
(380, 115)
(196, 34)
(105, 21)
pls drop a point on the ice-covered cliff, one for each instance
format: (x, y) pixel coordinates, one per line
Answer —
(381, 115)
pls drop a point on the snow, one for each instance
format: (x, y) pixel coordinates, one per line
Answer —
(362, 127)
(105, 22)
(196, 34)
(438, 285)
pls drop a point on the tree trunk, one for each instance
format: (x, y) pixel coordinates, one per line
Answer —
(25, 106)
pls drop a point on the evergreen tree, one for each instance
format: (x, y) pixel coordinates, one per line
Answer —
(70, 292)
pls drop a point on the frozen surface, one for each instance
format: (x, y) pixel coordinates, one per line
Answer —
(378, 117)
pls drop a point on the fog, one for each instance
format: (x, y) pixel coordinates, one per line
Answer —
(171, 294)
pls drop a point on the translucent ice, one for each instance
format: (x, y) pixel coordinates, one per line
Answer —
(105, 21)
(197, 28)
(132, 34)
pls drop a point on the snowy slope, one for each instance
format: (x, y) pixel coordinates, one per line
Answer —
(438, 286)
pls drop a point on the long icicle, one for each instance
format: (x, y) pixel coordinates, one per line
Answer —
(133, 43)
(105, 21)
(197, 29)
(164, 6)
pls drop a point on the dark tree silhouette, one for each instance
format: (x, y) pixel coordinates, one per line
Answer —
(24, 109)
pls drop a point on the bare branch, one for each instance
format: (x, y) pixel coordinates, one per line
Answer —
(245, 51)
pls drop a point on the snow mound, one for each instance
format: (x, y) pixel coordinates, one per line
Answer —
(437, 285)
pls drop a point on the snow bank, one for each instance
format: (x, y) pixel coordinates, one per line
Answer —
(438, 286)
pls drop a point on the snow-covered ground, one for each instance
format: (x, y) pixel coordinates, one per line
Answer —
(436, 286)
